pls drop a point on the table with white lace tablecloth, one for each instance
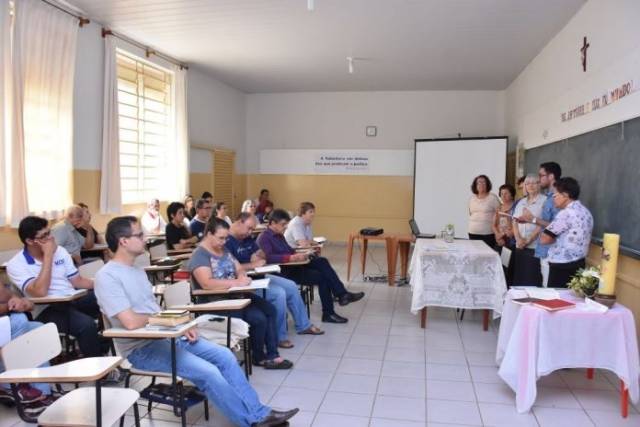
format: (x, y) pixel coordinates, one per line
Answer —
(464, 274)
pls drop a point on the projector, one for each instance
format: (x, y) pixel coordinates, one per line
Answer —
(371, 231)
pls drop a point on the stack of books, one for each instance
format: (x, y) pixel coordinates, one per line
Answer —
(170, 318)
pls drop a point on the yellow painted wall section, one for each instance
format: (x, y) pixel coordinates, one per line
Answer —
(344, 203)
(199, 183)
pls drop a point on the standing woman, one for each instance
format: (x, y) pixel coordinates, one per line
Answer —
(502, 227)
(527, 266)
(483, 206)
(569, 234)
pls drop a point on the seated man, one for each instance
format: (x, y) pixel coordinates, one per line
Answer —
(34, 398)
(67, 236)
(45, 269)
(151, 221)
(298, 231)
(318, 271)
(86, 230)
(199, 222)
(282, 293)
(177, 235)
(125, 297)
(213, 267)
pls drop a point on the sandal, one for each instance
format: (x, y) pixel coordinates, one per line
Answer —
(312, 330)
(285, 344)
(272, 364)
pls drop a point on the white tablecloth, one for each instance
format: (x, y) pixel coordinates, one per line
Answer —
(462, 274)
(533, 342)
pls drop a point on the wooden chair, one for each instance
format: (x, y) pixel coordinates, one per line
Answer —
(85, 406)
(150, 394)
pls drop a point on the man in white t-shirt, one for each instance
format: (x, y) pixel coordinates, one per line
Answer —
(43, 269)
(298, 232)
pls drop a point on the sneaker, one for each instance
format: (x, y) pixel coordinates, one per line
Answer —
(33, 410)
(28, 394)
(6, 397)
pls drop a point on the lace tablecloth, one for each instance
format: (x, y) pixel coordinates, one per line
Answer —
(462, 274)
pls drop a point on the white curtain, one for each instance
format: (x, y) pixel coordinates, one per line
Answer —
(13, 196)
(179, 150)
(44, 59)
(110, 194)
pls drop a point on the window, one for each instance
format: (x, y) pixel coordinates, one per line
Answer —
(145, 116)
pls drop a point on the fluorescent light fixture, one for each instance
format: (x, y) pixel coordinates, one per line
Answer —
(310, 5)
(350, 64)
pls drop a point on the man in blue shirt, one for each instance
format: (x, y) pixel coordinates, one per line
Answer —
(549, 173)
(199, 222)
(282, 293)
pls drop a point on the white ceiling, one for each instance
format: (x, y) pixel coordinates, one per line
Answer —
(279, 46)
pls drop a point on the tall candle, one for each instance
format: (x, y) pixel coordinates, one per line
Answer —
(609, 265)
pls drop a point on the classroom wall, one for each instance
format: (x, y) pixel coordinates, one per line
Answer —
(337, 120)
(554, 82)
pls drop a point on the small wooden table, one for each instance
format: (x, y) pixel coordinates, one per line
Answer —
(393, 242)
(153, 334)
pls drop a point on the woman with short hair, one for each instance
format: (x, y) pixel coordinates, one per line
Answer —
(569, 234)
(483, 206)
(527, 265)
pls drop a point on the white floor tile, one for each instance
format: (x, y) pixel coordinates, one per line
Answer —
(317, 363)
(485, 374)
(290, 397)
(302, 419)
(347, 404)
(447, 357)
(359, 366)
(333, 420)
(600, 400)
(307, 379)
(560, 417)
(373, 352)
(403, 369)
(404, 355)
(320, 348)
(481, 358)
(351, 383)
(447, 372)
(556, 397)
(448, 411)
(494, 414)
(494, 393)
(402, 387)
(577, 378)
(401, 408)
(613, 419)
(450, 390)
(383, 422)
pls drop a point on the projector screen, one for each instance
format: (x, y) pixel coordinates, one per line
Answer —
(443, 172)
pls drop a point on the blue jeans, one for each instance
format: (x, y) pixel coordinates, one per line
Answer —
(213, 369)
(283, 293)
(20, 325)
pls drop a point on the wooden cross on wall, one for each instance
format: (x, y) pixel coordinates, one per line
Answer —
(583, 50)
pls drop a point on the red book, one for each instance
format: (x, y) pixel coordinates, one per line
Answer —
(553, 304)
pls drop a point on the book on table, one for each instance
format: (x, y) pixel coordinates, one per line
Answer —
(554, 304)
(255, 284)
(169, 318)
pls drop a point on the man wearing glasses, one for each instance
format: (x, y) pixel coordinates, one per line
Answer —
(43, 269)
(199, 222)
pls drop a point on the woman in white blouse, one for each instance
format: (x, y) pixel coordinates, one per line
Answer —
(526, 266)
(483, 206)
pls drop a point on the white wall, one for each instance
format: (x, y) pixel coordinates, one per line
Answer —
(320, 120)
(216, 111)
(216, 114)
(554, 81)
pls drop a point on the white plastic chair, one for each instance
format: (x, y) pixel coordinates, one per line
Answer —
(82, 407)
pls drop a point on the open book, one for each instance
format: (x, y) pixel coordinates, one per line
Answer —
(254, 285)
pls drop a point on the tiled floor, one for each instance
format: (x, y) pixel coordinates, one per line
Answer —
(382, 370)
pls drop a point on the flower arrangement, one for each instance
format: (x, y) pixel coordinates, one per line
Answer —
(585, 282)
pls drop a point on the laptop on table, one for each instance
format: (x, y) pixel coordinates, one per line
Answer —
(415, 230)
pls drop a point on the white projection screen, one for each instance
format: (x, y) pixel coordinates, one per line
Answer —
(443, 172)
